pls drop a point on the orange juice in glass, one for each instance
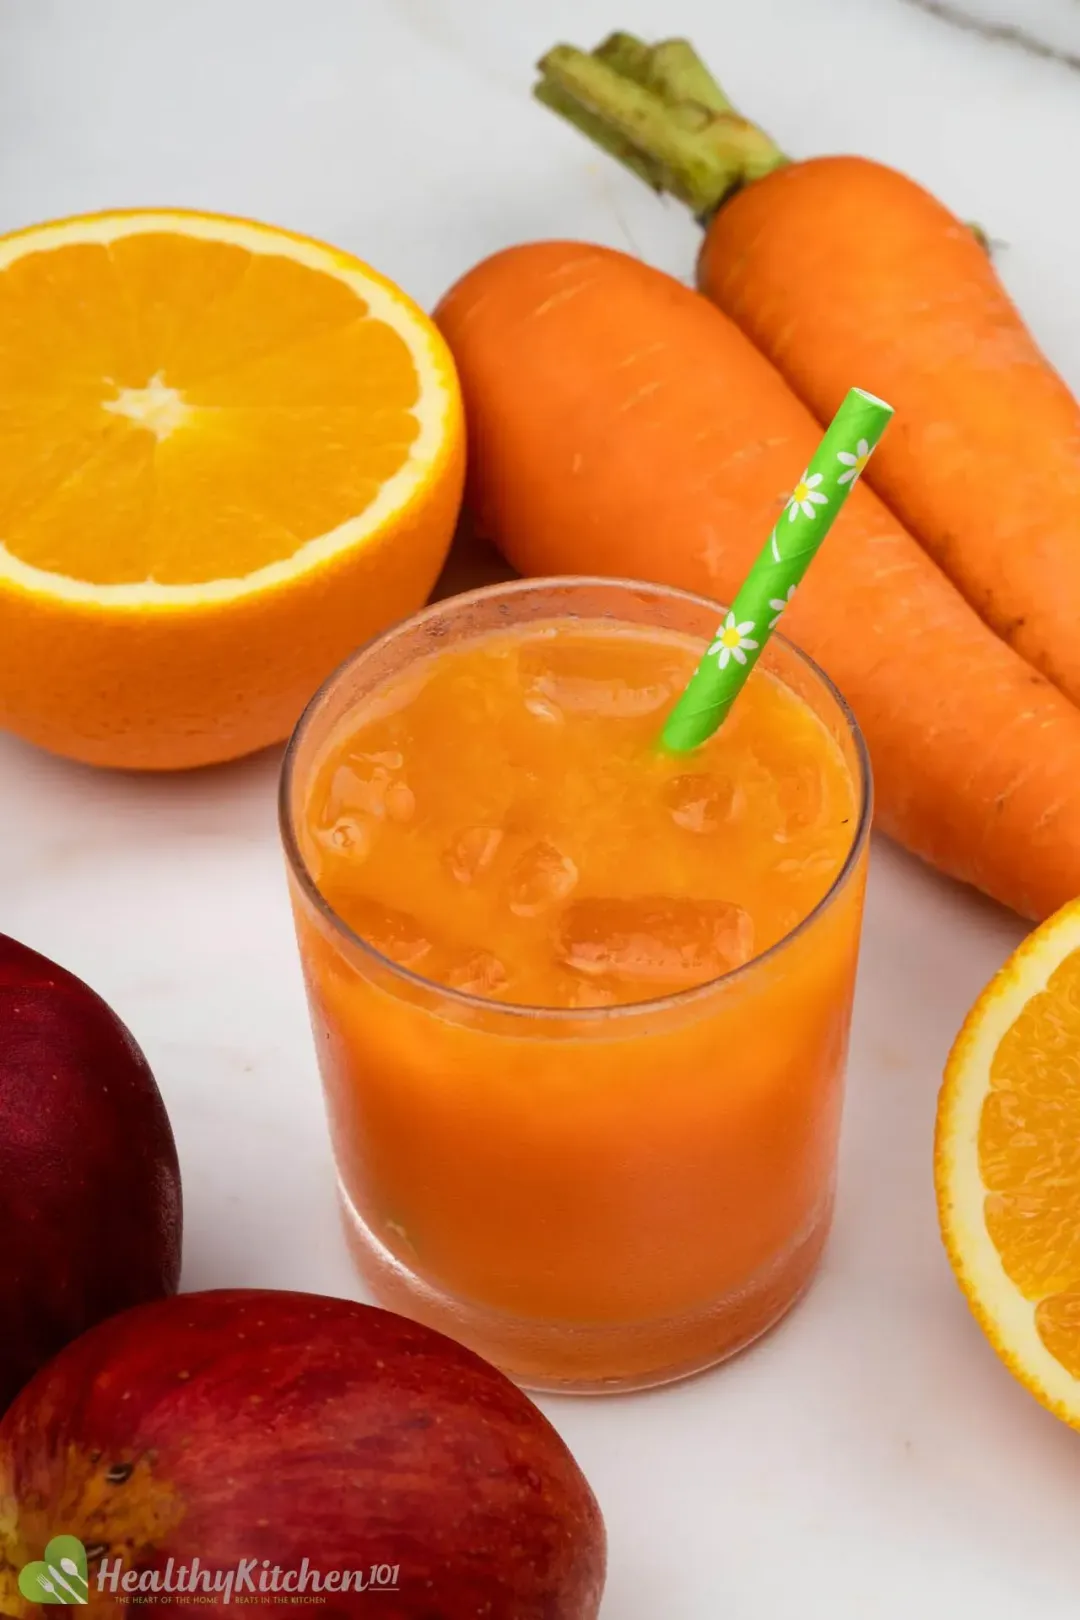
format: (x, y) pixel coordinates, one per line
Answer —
(581, 1007)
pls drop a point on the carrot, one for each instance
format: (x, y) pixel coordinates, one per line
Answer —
(842, 269)
(621, 425)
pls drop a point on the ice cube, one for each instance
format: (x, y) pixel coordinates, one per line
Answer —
(472, 852)
(478, 973)
(369, 784)
(397, 934)
(541, 877)
(658, 943)
(348, 835)
(800, 799)
(577, 678)
(701, 803)
(543, 708)
(797, 784)
(351, 791)
(387, 759)
(612, 699)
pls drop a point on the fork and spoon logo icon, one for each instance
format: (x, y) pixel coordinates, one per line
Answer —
(59, 1577)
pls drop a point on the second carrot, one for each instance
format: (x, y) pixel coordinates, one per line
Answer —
(839, 267)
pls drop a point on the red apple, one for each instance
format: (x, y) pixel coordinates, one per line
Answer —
(253, 1430)
(89, 1185)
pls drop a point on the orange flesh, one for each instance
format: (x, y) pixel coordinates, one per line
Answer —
(1029, 1158)
(507, 825)
(668, 1175)
(183, 410)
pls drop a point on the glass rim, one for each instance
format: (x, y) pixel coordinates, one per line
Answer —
(570, 1015)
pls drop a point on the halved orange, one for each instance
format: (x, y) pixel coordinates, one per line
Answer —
(228, 455)
(1007, 1162)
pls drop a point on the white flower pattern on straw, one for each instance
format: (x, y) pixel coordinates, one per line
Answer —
(854, 463)
(733, 641)
(778, 604)
(806, 496)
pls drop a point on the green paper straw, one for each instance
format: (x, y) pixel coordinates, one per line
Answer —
(833, 472)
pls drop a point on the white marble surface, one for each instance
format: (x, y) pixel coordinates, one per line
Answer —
(871, 1458)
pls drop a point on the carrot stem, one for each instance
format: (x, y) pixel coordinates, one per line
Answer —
(672, 68)
(609, 140)
(659, 111)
